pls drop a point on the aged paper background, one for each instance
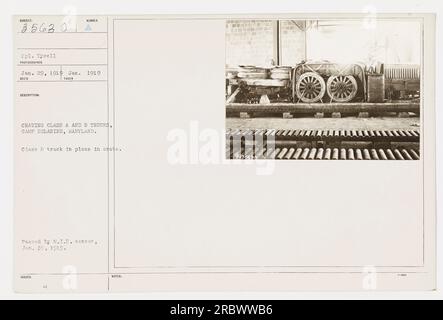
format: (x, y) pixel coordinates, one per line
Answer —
(309, 225)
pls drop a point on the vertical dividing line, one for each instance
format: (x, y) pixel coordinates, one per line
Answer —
(422, 125)
(305, 44)
(279, 47)
(276, 42)
(113, 130)
(107, 116)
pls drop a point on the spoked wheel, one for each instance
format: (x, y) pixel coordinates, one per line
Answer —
(341, 88)
(310, 87)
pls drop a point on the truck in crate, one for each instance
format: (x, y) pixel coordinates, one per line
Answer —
(323, 82)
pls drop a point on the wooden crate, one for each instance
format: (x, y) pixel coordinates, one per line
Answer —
(376, 88)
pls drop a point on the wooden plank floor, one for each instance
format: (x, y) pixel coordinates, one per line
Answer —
(348, 123)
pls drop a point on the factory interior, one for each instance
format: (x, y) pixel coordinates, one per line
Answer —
(345, 89)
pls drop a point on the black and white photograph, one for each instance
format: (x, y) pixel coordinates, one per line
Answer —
(342, 89)
(149, 153)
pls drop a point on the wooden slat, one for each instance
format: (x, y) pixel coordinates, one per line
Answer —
(325, 107)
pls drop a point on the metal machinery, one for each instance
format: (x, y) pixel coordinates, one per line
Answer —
(323, 89)
(323, 82)
(402, 81)
(258, 85)
(341, 83)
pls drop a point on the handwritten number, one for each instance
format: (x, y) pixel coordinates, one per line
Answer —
(40, 28)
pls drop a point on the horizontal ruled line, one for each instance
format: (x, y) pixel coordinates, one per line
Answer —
(62, 64)
(65, 81)
(62, 48)
(72, 32)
